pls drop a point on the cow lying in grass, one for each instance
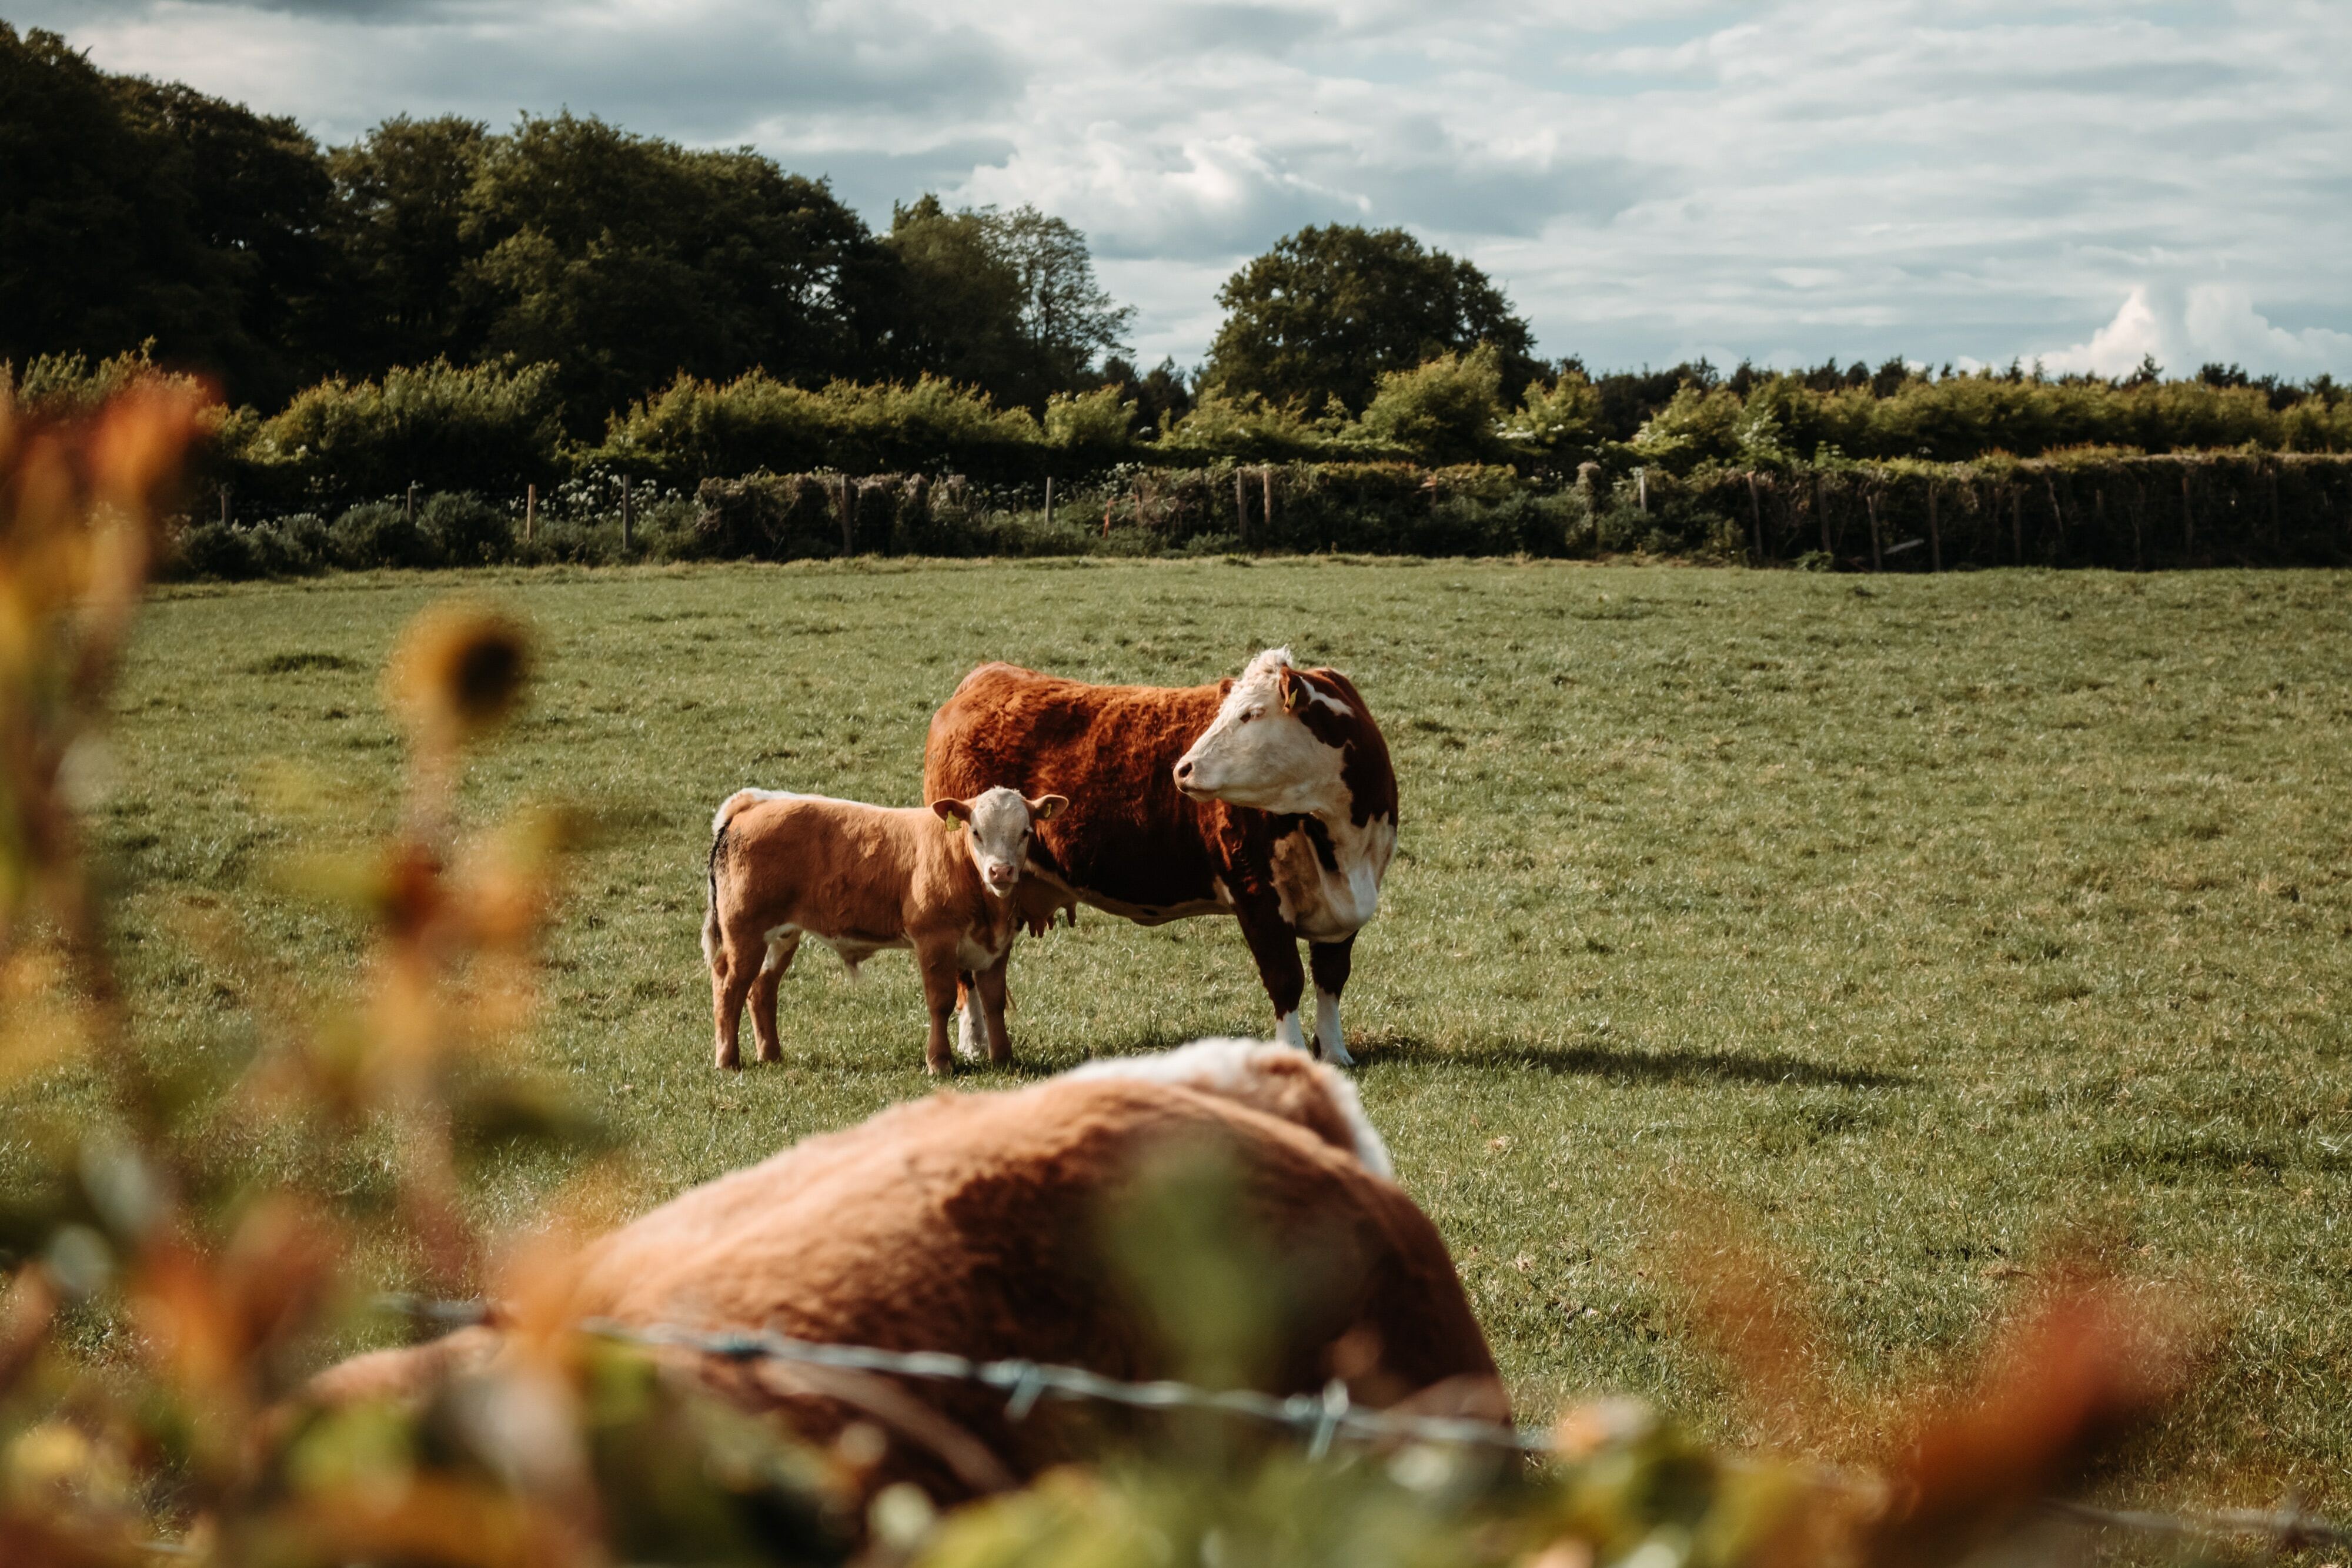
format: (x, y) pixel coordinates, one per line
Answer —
(861, 878)
(986, 1225)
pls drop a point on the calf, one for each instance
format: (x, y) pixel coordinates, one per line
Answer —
(861, 878)
(1269, 797)
(975, 1224)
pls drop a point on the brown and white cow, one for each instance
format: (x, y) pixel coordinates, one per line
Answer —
(1269, 797)
(861, 878)
(975, 1224)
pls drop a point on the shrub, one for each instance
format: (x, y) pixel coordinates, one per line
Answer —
(381, 533)
(215, 550)
(1448, 410)
(466, 530)
(486, 428)
(1096, 427)
(699, 430)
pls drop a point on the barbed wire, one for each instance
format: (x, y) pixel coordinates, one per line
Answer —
(1321, 1418)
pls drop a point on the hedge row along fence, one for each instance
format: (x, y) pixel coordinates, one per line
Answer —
(2131, 513)
(2074, 509)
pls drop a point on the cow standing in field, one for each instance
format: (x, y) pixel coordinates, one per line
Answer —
(1269, 797)
(861, 878)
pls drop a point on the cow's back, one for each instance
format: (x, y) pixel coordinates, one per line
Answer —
(1128, 838)
(977, 1224)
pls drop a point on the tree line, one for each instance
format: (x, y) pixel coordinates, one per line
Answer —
(484, 309)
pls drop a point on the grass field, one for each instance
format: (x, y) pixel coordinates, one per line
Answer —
(1919, 929)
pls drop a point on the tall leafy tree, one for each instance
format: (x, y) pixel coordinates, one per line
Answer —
(101, 243)
(399, 221)
(957, 303)
(1327, 310)
(626, 259)
(260, 195)
(1007, 302)
(1067, 317)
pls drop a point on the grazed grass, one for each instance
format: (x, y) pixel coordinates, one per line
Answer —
(1911, 924)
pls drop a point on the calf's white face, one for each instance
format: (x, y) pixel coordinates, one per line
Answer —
(1003, 823)
(1258, 753)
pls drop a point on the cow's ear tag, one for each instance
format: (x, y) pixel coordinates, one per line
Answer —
(1294, 692)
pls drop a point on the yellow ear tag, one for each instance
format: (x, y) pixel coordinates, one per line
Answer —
(1293, 695)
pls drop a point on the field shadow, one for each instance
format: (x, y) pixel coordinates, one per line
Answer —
(1620, 1065)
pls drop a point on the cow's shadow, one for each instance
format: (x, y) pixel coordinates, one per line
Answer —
(1614, 1065)
(1619, 1064)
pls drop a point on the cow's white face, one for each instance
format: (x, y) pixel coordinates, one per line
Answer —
(1002, 824)
(1259, 753)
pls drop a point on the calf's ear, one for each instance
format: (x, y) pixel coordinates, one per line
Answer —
(953, 812)
(1045, 808)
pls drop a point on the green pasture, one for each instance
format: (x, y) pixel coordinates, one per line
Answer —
(1924, 932)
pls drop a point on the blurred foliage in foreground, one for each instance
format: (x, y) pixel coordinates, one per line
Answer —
(160, 1314)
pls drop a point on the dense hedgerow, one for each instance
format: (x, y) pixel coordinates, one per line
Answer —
(432, 467)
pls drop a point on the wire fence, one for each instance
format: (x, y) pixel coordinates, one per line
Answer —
(1320, 1419)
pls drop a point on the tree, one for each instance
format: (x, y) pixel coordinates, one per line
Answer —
(1007, 302)
(1160, 393)
(260, 195)
(626, 259)
(101, 247)
(1067, 317)
(957, 309)
(1327, 310)
(399, 221)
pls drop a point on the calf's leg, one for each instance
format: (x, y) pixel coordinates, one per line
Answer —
(1329, 963)
(991, 984)
(1276, 950)
(732, 967)
(778, 959)
(936, 960)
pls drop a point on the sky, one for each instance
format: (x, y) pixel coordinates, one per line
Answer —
(1967, 181)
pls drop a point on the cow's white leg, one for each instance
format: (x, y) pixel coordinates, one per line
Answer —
(1330, 1044)
(1287, 1032)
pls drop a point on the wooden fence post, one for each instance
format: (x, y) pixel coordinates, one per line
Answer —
(224, 506)
(1821, 512)
(849, 516)
(1642, 489)
(1877, 556)
(1241, 505)
(1265, 512)
(1049, 498)
(2057, 513)
(412, 500)
(530, 510)
(1935, 532)
(1755, 521)
(2187, 517)
(628, 513)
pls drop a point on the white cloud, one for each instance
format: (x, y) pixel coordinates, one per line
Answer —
(2207, 323)
(1786, 179)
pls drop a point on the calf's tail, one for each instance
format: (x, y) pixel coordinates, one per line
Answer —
(727, 810)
